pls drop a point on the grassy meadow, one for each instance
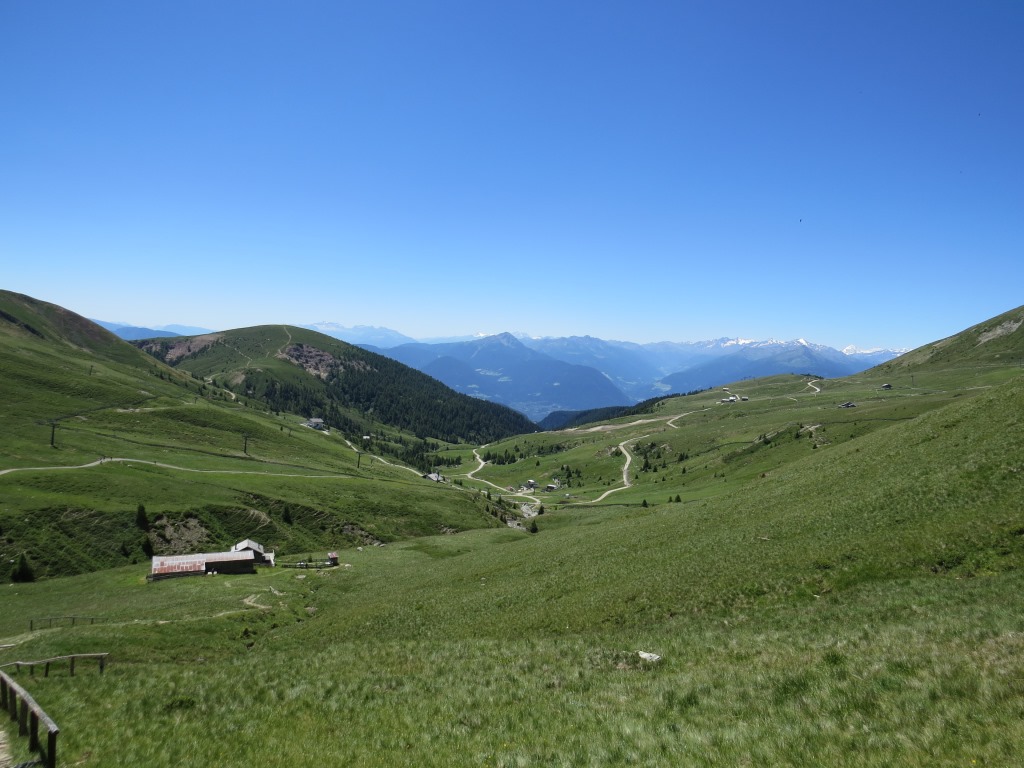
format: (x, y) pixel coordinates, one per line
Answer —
(859, 605)
(825, 585)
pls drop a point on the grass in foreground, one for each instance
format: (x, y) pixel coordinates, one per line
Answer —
(923, 671)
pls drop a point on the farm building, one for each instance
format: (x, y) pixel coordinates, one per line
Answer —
(260, 555)
(242, 558)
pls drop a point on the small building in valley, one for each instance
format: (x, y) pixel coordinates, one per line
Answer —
(242, 558)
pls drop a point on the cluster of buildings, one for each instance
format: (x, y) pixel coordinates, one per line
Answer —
(531, 485)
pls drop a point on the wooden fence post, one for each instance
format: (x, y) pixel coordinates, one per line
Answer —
(33, 732)
(51, 749)
(23, 718)
(72, 666)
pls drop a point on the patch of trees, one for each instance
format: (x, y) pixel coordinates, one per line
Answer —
(506, 457)
(653, 457)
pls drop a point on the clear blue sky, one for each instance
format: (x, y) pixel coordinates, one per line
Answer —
(849, 172)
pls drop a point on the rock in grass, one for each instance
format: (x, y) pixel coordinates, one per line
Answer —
(653, 658)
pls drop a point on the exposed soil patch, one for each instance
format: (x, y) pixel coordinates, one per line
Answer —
(318, 363)
(176, 350)
(1004, 329)
(179, 538)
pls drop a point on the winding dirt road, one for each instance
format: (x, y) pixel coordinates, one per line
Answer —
(626, 482)
(505, 491)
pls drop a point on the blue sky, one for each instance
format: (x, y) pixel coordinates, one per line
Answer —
(849, 172)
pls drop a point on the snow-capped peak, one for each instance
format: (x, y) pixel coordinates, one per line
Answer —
(853, 349)
(737, 342)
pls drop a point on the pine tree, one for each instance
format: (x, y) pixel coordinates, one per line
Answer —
(22, 572)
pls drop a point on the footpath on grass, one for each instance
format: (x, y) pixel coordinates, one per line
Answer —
(107, 459)
(5, 753)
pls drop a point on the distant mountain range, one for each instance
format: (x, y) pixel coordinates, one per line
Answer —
(130, 332)
(502, 369)
(362, 335)
(578, 373)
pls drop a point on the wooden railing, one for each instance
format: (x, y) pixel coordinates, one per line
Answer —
(33, 624)
(45, 663)
(30, 716)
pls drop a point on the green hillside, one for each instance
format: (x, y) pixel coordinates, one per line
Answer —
(994, 344)
(305, 372)
(830, 571)
(94, 428)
